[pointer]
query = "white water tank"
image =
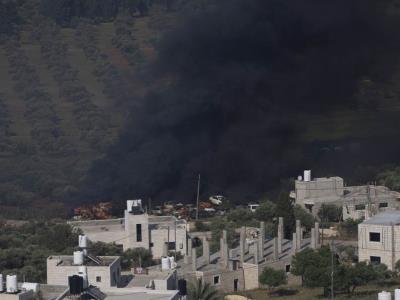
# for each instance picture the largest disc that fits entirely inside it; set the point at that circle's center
(165, 263)
(12, 286)
(129, 204)
(307, 175)
(78, 258)
(1, 283)
(384, 296)
(30, 286)
(172, 262)
(83, 242)
(137, 203)
(299, 178)
(397, 294)
(82, 272)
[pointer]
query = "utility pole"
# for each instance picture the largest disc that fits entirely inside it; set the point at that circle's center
(197, 198)
(332, 272)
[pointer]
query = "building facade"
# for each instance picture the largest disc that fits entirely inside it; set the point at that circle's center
(379, 239)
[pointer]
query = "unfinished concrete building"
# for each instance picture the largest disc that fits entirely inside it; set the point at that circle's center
(312, 193)
(160, 234)
(239, 269)
(378, 238)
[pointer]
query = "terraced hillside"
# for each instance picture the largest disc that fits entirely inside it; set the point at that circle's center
(64, 97)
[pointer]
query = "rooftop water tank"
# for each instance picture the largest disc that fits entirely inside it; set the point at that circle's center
(12, 286)
(172, 262)
(165, 263)
(82, 272)
(307, 175)
(30, 286)
(1, 283)
(300, 178)
(384, 296)
(129, 204)
(397, 294)
(83, 241)
(78, 258)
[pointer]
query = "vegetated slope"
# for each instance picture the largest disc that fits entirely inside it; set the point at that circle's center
(63, 100)
(259, 90)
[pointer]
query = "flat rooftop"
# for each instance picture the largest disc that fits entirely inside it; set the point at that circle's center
(140, 294)
(68, 260)
(390, 217)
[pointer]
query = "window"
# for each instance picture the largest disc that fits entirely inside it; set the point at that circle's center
(138, 232)
(216, 280)
(375, 259)
(151, 245)
(235, 284)
(374, 237)
(171, 246)
(98, 278)
(360, 206)
(383, 204)
(287, 268)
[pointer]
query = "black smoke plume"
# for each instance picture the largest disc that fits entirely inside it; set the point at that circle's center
(239, 73)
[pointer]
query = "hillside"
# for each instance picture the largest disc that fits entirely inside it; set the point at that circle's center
(64, 98)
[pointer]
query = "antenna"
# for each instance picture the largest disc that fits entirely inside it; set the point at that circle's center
(197, 198)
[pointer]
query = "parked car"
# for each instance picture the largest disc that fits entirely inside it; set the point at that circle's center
(216, 200)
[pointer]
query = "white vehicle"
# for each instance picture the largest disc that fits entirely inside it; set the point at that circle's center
(207, 209)
(216, 200)
(253, 207)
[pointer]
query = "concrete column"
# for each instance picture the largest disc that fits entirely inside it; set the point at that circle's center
(206, 250)
(256, 254)
(242, 243)
(280, 235)
(294, 243)
(189, 247)
(194, 259)
(275, 250)
(298, 234)
(316, 226)
(367, 212)
(313, 240)
(165, 248)
(261, 240)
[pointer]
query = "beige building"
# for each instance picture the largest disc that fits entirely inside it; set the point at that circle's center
(105, 272)
(379, 239)
(232, 270)
(160, 234)
(312, 193)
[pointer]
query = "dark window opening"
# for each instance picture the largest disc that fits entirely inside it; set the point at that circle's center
(309, 207)
(98, 278)
(216, 280)
(374, 237)
(235, 284)
(138, 232)
(287, 268)
(360, 206)
(383, 204)
(151, 244)
(171, 246)
(375, 259)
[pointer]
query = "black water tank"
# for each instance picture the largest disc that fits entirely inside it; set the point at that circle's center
(182, 287)
(75, 285)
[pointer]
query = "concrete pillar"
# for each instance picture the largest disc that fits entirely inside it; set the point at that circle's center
(224, 250)
(256, 254)
(194, 259)
(298, 234)
(206, 250)
(280, 235)
(316, 226)
(242, 244)
(261, 240)
(189, 247)
(275, 250)
(367, 212)
(165, 248)
(294, 243)
(313, 240)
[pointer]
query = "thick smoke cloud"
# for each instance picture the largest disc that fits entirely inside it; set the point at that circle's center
(238, 73)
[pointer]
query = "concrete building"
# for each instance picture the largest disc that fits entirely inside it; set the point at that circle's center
(379, 239)
(238, 269)
(104, 273)
(312, 193)
(160, 234)
(21, 295)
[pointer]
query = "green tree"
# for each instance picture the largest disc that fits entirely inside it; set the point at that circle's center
(266, 211)
(241, 217)
(137, 257)
(305, 217)
(198, 290)
(284, 208)
(330, 213)
(390, 178)
(361, 274)
(273, 278)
